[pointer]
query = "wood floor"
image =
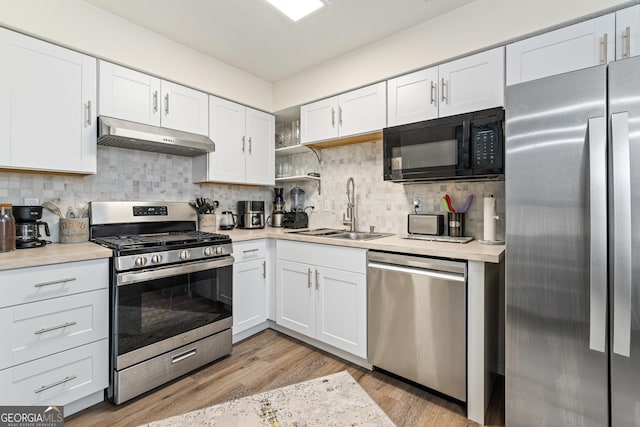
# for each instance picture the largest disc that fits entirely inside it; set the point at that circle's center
(270, 360)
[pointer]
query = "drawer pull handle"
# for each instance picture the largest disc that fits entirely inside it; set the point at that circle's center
(57, 383)
(250, 250)
(53, 328)
(54, 282)
(182, 356)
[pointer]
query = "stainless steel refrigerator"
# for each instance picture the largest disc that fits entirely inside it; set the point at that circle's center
(573, 249)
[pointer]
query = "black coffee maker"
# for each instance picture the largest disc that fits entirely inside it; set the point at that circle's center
(28, 227)
(297, 218)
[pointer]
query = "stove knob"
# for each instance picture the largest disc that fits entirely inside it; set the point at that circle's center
(184, 255)
(208, 251)
(156, 259)
(219, 250)
(141, 261)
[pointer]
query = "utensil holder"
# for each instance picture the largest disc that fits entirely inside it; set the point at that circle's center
(74, 230)
(207, 222)
(456, 224)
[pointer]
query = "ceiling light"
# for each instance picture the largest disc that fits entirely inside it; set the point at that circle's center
(296, 9)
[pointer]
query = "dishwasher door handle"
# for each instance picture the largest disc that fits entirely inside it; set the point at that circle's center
(418, 271)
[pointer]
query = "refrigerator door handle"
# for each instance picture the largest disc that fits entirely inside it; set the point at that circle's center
(598, 233)
(621, 234)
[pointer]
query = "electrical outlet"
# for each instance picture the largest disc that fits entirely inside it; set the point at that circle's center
(328, 205)
(31, 201)
(418, 203)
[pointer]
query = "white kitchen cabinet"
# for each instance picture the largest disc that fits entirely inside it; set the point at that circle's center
(249, 285)
(472, 83)
(475, 82)
(245, 144)
(356, 112)
(341, 303)
(412, 97)
(628, 32)
(295, 296)
(321, 293)
(56, 324)
(47, 106)
(138, 97)
(577, 46)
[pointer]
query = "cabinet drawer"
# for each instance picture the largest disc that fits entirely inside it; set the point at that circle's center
(41, 328)
(26, 285)
(338, 257)
(246, 251)
(58, 379)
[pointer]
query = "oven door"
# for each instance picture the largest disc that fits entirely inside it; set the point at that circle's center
(161, 309)
(433, 149)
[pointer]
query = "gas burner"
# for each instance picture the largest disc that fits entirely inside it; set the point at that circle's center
(161, 239)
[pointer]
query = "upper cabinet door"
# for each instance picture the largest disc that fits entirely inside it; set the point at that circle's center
(128, 94)
(260, 146)
(226, 129)
(184, 108)
(363, 110)
(567, 49)
(628, 32)
(472, 83)
(319, 120)
(412, 97)
(47, 106)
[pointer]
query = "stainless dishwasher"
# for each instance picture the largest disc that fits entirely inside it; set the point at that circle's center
(417, 320)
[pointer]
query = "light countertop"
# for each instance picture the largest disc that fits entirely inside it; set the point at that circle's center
(59, 253)
(54, 253)
(472, 251)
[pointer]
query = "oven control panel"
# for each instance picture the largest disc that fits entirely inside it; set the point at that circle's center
(177, 256)
(150, 211)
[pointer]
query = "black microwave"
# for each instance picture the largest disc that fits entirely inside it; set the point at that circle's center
(464, 146)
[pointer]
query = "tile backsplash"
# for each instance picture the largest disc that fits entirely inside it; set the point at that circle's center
(382, 204)
(138, 175)
(123, 175)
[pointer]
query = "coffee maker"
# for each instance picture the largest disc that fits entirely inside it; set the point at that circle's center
(297, 218)
(278, 207)
(251, 214)
(28, 226)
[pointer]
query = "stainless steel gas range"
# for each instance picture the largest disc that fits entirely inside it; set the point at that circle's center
(171, 293)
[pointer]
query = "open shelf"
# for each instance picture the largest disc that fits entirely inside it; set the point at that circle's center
(293, 149)
(299, 178)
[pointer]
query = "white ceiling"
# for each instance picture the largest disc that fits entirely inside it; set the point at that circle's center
(253, 36)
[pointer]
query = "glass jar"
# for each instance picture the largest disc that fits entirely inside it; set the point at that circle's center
(7, 228)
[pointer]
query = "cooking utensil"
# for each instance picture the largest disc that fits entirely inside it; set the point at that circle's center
(451, 208)
(51, 206)
(466, 204)
(445, 205)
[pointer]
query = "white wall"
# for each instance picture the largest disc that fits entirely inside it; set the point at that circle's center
(84, 27)
(473, 27)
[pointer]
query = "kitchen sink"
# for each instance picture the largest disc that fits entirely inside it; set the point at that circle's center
(318, 232)
(359, 235)
(340, 234)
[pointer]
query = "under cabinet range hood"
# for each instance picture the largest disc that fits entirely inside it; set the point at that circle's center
(137, 136)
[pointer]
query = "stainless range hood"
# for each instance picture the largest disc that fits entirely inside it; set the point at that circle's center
(137, 136)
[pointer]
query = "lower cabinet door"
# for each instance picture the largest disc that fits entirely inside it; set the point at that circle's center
(249, 294)
(296, 297)
(341, 313)
(45, 327)
(58, 379)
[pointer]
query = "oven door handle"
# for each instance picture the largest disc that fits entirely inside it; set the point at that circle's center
(130, 278)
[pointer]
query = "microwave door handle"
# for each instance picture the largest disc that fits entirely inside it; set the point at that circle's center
(466, 150)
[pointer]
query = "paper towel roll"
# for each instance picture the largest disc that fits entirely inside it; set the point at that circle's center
(490, 219)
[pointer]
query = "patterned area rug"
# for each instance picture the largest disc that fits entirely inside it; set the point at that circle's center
(334, 400)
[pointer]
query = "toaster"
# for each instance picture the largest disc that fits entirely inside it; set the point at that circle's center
(425, 224)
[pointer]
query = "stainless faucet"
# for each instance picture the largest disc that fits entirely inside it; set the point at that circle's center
(350, 218)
